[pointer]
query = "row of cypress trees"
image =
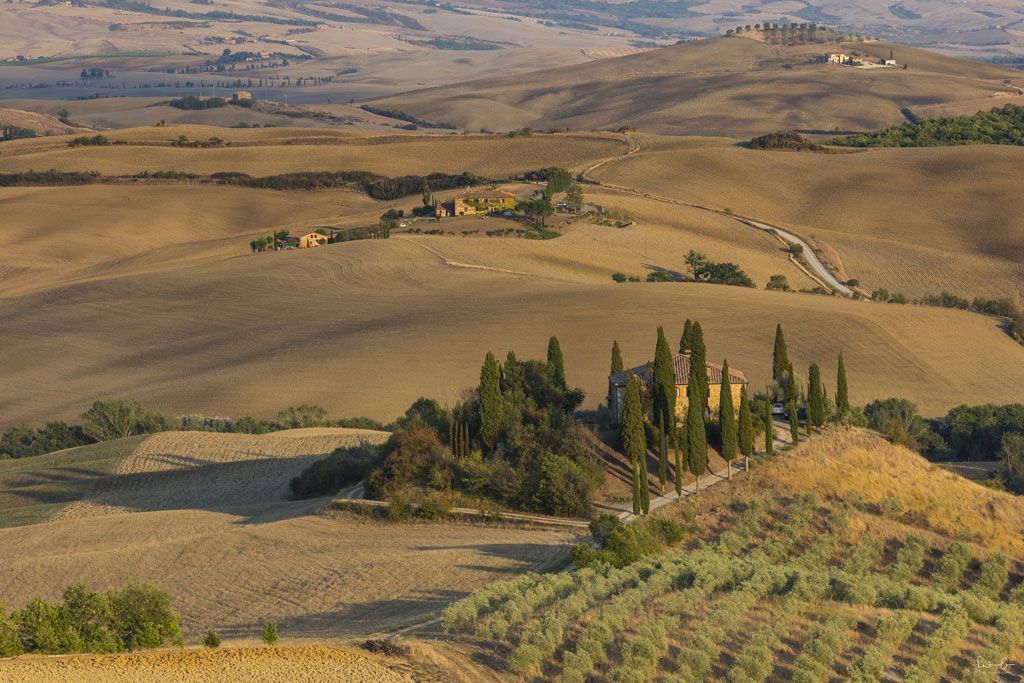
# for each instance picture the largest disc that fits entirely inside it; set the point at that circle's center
(689, 438)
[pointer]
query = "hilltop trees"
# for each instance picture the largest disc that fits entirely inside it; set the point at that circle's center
(634, 442)
(780, 357)
(491, 408)
(727, 420)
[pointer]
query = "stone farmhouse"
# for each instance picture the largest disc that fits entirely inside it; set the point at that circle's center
(681, 367)
(474, 203)
(305, 240)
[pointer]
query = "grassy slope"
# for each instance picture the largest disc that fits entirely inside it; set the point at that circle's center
(728, 86)
(912, 220)
(34, 489)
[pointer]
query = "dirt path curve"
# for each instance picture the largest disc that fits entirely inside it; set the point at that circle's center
(816, 269)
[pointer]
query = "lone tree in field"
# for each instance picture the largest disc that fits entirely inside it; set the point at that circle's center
(270, 633)
(746, 429)
(664, 399)
(686, 341)
(556, 362)
(842, 390)
(616, 358)
(727, 420)
(769, 430)
(492, 408)
(698, 379)
(634, 443)
(780, 358)
(794, 423)
(696, 436)
(815, 397)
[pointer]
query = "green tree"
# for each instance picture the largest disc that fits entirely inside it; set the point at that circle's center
(746, 429)
(270, 633)
(815, 397)
(680, 432)
(556, 362)
(574, 197)
(698, 378)
(662, 458)
(727, 420)
(211, 640)
(428, 196)
(686, 341)
(792, 390)
(616, 358)
(794, 423)
(664, 398)
(696, 436)
(769, 430)
(114, 419)
(492, 409)
(780, 357)
(842, 390)
(634, 442)
(10, 641)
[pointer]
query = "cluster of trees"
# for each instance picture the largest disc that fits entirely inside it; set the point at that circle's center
(618, 544)
(373, 184)
(119, 418)
(785, 140)
(1000, 126)
(191, 102)
(403, 116)
(343, 467)
(52, 177)
(89, 141)
(16, 133)
(137, 617)
(705, 270)
(512, 441)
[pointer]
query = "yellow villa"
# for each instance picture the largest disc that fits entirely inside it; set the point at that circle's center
(473, 203)
(681, 367)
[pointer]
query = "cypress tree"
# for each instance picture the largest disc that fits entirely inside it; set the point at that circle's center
(645, 486)
(465, 438)
(699, 370)
(686, 341)
(727, 420)
(842, 390)
(794, 423)
(769, 430)
(663, 395)
(556, 362)
(492, 408)
(662, 457)
(633, 439)
(746, 429)
(696, 436)
(679, 462)
(791, 389)
(780, 358)
(616, 358)
(815, 397)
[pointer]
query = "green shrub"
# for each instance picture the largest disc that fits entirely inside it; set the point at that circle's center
(343, 467)
(400, 508)
(270, 633)
(909, 559)
(950, 569)
(211, 640)
(993, 578)
(10, 640)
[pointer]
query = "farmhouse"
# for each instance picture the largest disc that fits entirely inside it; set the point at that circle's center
(473, 203)
(681, 367)
(837, 58)
(241, 96)
(306, 240)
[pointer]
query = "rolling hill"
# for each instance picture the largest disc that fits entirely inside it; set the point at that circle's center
(722, 86)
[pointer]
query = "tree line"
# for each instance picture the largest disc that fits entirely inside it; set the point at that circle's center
(999, 126)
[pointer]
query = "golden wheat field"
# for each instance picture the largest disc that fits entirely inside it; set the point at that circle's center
(916, 221)
(721, 86)
(305, 663)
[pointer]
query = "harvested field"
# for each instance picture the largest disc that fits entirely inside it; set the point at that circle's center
(204, 470)
(310, 663)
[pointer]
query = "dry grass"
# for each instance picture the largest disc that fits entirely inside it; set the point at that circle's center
(203, 470)
(292, 663)
(40, 123)
(911, 220)
(859, 465)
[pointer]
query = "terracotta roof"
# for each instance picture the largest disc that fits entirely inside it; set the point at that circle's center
(681, 366)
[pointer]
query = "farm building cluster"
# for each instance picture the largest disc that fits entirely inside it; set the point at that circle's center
(857, 60)
(474, 203)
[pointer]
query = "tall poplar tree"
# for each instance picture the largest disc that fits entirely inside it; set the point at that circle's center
(686, 341)
(663, 396)
(679, 460)
(696, 436)
(794, 423)
(616, 358)
(815, 397)
(780, 357)
(662, 458)
(769, 430)
(842, 390)
(634, 443)
(698, 378)
(727, 420)
(556, 362)
(492, 408)
(792, 391)
(746, 429)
